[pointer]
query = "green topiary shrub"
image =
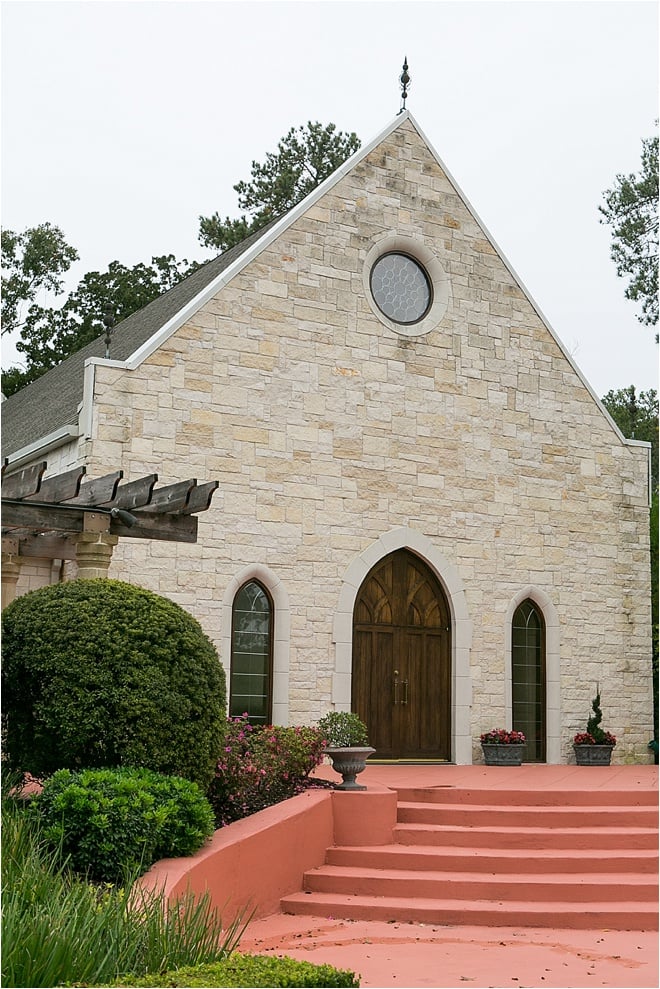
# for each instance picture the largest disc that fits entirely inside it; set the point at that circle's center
(250, 970)
(102, 673)
(109, 823)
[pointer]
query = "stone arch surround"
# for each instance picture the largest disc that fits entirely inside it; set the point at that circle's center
(447, 574)
(552, 666)
(281, 632)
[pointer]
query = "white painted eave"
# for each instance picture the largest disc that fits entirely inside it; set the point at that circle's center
(42, 446)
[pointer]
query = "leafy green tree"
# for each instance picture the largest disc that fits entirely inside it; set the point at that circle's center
(50, 335)
(631, 209)
(636, 415)
(304, 158)
(32, 260)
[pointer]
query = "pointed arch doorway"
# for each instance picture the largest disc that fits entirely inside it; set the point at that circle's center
(401, 671)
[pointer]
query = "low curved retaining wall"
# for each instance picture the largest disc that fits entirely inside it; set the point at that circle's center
(253, 863)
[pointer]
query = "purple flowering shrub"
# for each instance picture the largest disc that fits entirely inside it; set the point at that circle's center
(261, 765)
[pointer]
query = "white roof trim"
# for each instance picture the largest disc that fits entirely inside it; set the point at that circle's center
(261, 244)
(502, 256)
(189, 310)
(26, 454)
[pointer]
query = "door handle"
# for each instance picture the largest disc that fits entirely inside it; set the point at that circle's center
(396, 686)
(404, 684)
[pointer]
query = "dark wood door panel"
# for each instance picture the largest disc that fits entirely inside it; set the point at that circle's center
(402, 660)
(372, 691)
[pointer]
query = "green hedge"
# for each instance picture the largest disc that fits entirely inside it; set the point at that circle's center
(108, 823)
(102, 673)
(249, 970)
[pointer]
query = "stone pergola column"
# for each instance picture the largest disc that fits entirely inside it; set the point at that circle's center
(94, 546)
(11, 568)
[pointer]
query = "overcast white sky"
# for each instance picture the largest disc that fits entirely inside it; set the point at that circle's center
(122, 122)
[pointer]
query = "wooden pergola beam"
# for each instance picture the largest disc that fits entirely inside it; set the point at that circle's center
(42, 518)
(98, 491)
(59, 487)
(25, 482)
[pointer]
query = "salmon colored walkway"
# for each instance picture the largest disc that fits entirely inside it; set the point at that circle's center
(409, 955)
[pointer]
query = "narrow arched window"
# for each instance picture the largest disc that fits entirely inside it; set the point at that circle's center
(251, 677)
(528, 678)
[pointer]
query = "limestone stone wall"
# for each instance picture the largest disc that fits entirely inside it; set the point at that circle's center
(327, 430)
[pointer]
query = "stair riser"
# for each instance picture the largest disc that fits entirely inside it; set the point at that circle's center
(451, 861)
(551, 840)
(580, 799)
(498, 890)
(586, 919)
(526, 817)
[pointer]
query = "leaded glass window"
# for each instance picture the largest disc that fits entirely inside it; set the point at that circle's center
(401, 288)
(528, 678)
(251, 654)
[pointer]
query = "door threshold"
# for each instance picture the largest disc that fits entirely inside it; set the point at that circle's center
(408, 762)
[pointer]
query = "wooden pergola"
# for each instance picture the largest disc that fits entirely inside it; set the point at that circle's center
(71, 517)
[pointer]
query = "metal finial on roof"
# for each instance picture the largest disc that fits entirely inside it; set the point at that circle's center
(404, 80)
(108, 322)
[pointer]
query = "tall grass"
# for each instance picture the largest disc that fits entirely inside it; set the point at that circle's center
(57, 928)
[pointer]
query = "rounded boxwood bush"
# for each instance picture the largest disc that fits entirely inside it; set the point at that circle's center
(102, 673)
(111, 823)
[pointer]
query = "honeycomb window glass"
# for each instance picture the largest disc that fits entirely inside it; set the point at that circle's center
(401, 288)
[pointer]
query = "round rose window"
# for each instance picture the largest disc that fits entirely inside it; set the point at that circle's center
(401, 288)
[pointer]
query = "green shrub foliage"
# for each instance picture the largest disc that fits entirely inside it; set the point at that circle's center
(251, 970)
(108, 823)
(102, 673)
(59, 929)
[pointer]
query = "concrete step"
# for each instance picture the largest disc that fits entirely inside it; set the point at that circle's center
(538, 798)
(530, 887)
(604, 838)
(623, 915)
(521, 816)
(494, 861)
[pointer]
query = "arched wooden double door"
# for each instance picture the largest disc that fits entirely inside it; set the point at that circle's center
(401, 685)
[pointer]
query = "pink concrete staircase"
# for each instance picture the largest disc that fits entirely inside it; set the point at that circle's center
(580, 859)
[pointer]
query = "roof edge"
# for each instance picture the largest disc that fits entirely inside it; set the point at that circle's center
(502, 256)
(158, 338)
(44, 444)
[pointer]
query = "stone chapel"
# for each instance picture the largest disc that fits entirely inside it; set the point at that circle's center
(424, 513)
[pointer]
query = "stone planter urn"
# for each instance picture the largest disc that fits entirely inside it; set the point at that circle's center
(348, 762)
(593, 755)
(503, 755)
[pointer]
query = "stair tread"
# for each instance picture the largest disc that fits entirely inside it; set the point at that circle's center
(447, 850)
(491, 805)
(526, 829)
(633, 906)
(443, 875)
(601, 815)
(582, 799)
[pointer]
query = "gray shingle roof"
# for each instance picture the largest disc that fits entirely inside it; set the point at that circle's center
(52, 401)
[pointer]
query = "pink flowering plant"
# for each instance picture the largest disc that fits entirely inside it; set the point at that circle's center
(261, 765)
(585, 738)
(501, 736)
